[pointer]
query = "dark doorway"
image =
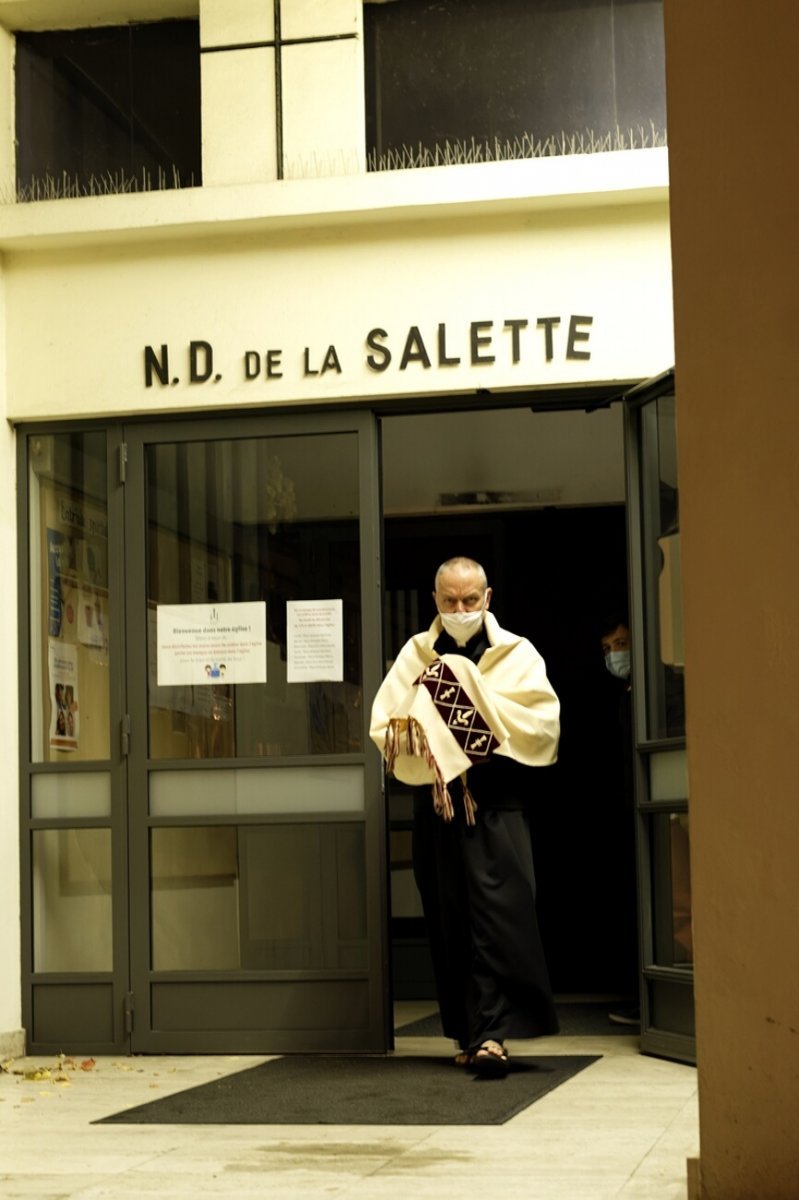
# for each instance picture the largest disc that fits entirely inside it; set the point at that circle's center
(554, 571)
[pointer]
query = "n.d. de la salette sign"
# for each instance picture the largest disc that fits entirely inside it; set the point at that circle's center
(514, 342)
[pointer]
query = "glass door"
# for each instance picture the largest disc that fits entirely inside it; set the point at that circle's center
(73, 774)
(256, 820)
(662, 822)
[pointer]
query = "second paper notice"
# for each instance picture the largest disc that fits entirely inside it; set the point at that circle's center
(315, 643)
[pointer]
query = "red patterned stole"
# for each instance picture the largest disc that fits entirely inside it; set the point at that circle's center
(464, 723)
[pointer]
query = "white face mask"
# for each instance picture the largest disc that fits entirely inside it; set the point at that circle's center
(618, 663)
(462, 625)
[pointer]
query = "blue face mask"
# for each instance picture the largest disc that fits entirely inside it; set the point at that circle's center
(618, 663)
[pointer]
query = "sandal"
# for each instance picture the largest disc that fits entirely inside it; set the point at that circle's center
(490, 1060)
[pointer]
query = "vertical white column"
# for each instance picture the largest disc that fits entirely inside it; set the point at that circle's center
(239, 112)
(322, 88)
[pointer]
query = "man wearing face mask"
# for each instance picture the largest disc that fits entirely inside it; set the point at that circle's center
(615, 644)
(466, 712)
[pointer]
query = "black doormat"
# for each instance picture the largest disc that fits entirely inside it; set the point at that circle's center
(335, 1090)
(579, 1019)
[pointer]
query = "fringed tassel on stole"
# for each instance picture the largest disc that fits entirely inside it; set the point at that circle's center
(469, 802)
(393, 741)
(418, 746)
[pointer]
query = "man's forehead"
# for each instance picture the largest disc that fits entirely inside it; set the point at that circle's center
(460, 578)
(621, 631)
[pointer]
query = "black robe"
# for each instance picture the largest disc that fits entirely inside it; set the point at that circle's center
(477, 885)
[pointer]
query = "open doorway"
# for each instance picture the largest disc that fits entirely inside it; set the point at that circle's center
(538, 498)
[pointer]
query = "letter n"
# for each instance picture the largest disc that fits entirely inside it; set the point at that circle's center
(153, 365)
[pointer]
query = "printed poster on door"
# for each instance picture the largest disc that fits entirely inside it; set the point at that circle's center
(211, 643)
(64, 714)
(315, 641)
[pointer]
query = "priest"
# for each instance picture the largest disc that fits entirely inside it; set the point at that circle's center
(465, 714)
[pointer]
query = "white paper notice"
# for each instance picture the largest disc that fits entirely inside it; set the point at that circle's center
(211, 643)
(315, 642)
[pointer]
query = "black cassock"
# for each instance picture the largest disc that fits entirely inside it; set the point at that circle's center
(477, 885)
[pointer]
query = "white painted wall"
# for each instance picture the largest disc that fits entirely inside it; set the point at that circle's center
(312, 89)
(84, 316)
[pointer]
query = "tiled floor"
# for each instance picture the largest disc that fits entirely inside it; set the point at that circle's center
(623, 1127)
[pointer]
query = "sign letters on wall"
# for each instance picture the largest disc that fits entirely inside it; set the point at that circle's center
(480, 343)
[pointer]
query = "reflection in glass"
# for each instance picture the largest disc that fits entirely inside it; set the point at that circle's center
(683, 941)
(69, 597)
(195, 896)
(72, 926)
(259, 897)
(671, 882)
(663, 584)
(272, 520)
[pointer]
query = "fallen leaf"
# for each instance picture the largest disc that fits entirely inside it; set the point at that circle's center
(88, 1064)
(38, 1074)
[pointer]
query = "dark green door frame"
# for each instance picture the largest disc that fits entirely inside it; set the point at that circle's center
(112, 1011)
(661, 801)
(66, 1010)
(256, 995)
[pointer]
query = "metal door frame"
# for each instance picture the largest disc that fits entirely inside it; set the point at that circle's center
(100, 993)
(224, 427)
(122, 1010)
(662, 987)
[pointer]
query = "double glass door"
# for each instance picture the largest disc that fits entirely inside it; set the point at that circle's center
(207, 867)
(205, 852)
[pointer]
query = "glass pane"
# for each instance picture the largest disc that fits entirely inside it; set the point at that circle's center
(84, 794)
(195, 898)
(471, 81)
(111, 109)
(405, 898)
(69, 597)
(663, 583)
(257, 521)
(72, 928)
(266, 790)
(671, 883)
(275, 897)
(668, 775)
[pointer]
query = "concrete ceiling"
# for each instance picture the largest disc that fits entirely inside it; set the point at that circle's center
(75, 14)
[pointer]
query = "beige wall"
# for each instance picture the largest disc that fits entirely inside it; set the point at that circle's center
(298, 294)
(732, 112)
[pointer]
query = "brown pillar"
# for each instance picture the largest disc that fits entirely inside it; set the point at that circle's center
(733, 114)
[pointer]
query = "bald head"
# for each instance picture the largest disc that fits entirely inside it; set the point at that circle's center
(461, 585)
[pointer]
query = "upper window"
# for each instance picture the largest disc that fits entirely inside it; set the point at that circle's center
(108, 109)
(454, 81)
